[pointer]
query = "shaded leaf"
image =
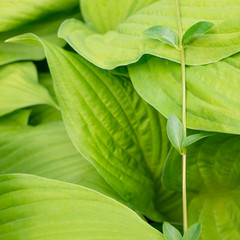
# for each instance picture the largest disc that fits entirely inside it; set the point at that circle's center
(19, 88)
(170, 232)
(37, 208)
(213, 174)
(197, 29)
(162, 33)
(47, 151)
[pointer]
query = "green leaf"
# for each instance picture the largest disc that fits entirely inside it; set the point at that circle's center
(175, 132)
(18, 13)
(213, 100)
(197, 29)
(26, 17)
(213, 172)
(170, 232)
(195, 137)
(47, 151)
(162, 33)
(37, 208)
(193, 232)
(96, 103)
(109, 45)
(19, 88)
(14, 120)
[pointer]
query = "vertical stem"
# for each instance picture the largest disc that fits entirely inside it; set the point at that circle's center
(181, 48)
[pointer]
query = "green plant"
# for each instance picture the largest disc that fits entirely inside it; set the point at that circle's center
(85, 136)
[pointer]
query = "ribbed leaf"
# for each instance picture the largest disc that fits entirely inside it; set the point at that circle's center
(19, 88)
(17, 13)
(46, 28)
(37, 208)
(123, 42)
(213, 172)
(118, 132)
(48, 152)
(213, 99)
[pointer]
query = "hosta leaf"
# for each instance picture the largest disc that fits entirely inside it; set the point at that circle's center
(19, 88)
(213, 174)
(195, 137)
(118, 132)
(17, 13)
(15, 120)
(124, 42)
(37, 208)
(193, 232)
(213, 99)
(46, 28)
(47, 151)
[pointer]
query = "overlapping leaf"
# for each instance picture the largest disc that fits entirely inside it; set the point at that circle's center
(37, 208)
(19, 88)
(47, 151)
(213, 99)
(123, 42)
(123, 136)
(213, 172)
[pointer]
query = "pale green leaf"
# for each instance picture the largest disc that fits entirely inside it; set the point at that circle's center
(45, 28)
(193, 232)
(123, 43)
(19, 88)
(18, 13)
(213, 99)
(175, 132)
(94, 104)
(47, 151)
(195, 137)
(213, 172)
(162, 33)
(170, 232)
(14, 120)
(197, 29)
(38, 208)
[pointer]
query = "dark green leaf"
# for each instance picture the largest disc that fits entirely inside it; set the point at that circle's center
(170, 232)
(162, 33)
(196, 137)
(175, 132)
(197, 29)
(193, 233)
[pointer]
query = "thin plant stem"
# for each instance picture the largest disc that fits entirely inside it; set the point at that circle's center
(184, 156)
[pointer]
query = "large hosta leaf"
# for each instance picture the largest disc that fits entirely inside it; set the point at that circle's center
(118, 132)
(213, 173)
(123, 41)
(17, 13)
(19, 88)
(213, 99)
(37, 208)
(46, 28)
(47, 151)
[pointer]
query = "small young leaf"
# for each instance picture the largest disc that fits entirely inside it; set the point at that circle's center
(170, 232)
(175, 132)
(193, 233)
(195, 137)
(162, 33)
(197, 29)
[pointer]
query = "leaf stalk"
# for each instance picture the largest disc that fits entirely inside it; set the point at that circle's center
(184, 155)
